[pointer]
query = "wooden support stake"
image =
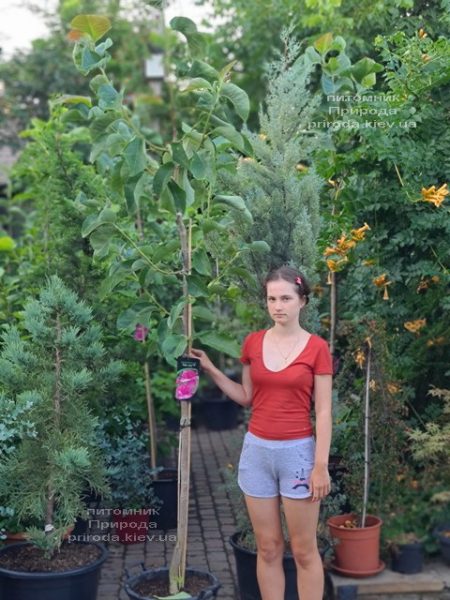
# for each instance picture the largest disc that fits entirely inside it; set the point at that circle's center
(178, 563)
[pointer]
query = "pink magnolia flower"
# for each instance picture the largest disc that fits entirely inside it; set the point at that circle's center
(140, 333)
(186, 384)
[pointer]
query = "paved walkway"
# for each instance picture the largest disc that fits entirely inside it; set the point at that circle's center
(211, 522)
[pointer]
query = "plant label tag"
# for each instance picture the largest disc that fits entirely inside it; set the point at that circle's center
(187, 377)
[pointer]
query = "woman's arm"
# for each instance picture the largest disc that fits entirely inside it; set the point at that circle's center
(320, 479)
(239, 392)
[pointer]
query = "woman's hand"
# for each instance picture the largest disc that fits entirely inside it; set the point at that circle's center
(319, 483)
(205, 362)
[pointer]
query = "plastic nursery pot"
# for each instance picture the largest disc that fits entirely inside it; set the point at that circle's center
(81, 582)
(166, 490)
(246, 572)
(407, 558)
(147, 576)
(357, 550)
(347, 592)
(442, 533)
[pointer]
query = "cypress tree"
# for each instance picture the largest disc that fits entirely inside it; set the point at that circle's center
(52, 369)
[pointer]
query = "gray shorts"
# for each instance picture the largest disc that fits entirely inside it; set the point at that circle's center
(270, 468)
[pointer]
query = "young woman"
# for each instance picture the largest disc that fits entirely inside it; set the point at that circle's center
(286, 372)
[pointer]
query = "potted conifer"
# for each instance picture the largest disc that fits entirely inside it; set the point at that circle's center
(53, 365)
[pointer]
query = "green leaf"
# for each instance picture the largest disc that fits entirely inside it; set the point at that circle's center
(176, 312)
(89, 61)
(73, 99)
(197, 83)
(173, 346)
(363, 67)
(203, 313)
(234, 201)
(109, 98)
(183, 25)
(135, 157)
(323, 43)
(238, 98)
(237, 203)
(259, 246)
(95, 26)
(369, 80)
(197, 287)
(200, 262)
(198, 166)
(166, 201)
(328, 85)
(178, 195)
(202, 69)
(7, 244)
(143, 186)
(140, 312)
(338, 44)
(196, 41)
(179, 155)
(165, 250)
(312, 56)
(220, 342)
(103, 47)
(90, 223)
(187, 187)
(162, 176)
(101, 240)
(110, 283)
(232, 135)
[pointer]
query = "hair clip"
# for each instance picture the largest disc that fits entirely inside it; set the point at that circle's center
(299, 281)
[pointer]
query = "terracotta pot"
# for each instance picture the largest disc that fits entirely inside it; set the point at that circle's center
(130, 527)
(357, 550)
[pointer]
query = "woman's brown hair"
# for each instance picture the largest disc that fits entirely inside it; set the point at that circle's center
(293, 276)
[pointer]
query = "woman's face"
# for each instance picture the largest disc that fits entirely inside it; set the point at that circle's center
(283, 302)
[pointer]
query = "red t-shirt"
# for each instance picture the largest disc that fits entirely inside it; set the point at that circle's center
(281, 401)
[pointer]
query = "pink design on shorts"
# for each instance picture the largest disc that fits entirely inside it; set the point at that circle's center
(186, 384)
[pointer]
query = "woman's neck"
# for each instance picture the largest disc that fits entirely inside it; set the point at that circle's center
(288, 330)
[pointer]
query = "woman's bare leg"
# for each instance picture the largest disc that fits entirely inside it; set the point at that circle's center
(302, 518)
(266, 522)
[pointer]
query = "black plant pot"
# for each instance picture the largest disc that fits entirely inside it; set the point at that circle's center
(220, 413)
(162, 573)
(246, 573)
(444, 541)
(407, 558)
(166, 489)
(75, 584)
(347, 592)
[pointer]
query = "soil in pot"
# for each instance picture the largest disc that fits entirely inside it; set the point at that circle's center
(29, 559)
(193, 585)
